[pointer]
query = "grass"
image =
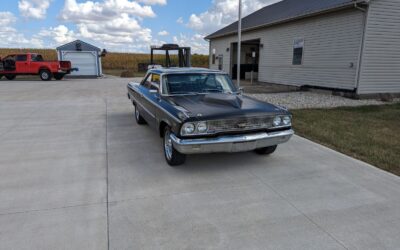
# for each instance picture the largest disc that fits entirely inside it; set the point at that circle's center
(368, 133)
(123, 73)
(118, 64)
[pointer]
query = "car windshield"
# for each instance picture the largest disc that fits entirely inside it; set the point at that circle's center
(183, 84)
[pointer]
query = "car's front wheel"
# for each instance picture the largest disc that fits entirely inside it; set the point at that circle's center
(172, 156)
(139, 119)
(266, 150)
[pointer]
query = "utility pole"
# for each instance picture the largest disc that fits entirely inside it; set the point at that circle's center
(239, 47)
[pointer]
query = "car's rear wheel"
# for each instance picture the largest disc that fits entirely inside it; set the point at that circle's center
(59, 76)
(45, 75)
(172, 156)
(1, 76)
(11, 77)
(139, 119)
(266, 150)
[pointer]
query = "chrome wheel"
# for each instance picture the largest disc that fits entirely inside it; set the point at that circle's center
(137, 115)
(45, 76)
(139, 119)
(168, 145)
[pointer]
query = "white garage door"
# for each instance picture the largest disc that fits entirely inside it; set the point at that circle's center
(85, 62)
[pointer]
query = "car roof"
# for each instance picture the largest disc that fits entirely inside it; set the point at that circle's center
(184, 70)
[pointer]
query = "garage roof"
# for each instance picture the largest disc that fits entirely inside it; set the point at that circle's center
(84, 46)
(282, 11)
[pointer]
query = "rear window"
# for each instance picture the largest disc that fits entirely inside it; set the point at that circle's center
(21, 58)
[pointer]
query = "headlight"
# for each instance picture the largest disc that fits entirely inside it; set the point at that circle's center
(202, 127)
(194, 128)
(286, 120)
(188, 128)
(277, 121)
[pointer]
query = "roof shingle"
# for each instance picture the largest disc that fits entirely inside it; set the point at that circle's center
(281, 11)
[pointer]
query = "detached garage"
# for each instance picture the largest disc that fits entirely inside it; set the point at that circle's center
(83, 56)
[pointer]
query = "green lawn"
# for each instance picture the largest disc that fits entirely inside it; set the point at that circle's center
(123, 73)
(368, 133)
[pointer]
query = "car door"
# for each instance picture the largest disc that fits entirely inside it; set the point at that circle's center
(35, 63)
(22, 64)
(149, 94)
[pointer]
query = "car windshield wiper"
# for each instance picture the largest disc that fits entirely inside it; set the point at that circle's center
(184, 93)
(213, 90)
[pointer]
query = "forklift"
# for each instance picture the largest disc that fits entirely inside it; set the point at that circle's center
(184, 55)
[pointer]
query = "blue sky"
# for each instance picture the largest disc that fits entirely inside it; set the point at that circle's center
(117, 25)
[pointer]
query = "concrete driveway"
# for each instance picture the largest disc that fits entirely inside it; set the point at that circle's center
(76, 172)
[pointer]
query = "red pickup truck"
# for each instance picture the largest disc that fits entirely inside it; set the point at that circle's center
(33, 64)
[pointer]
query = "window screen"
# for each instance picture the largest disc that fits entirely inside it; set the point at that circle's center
(298, 49)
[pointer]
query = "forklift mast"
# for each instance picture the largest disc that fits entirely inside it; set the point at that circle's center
(184, 55)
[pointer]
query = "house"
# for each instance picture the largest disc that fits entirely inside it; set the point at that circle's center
(336, 44)
(84, 57)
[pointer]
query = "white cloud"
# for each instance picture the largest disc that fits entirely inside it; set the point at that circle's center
(11, 38)
(35, 9)
(103, 11)
(153, 2)
(222, 13)
(113, 24)
(60, 34)
(7, 19)
(196, 42)
(163, 33)
(180, 20)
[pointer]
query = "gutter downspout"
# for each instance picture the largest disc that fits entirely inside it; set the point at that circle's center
(360, 56)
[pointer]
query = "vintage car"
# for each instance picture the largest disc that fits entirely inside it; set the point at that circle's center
(199, 111)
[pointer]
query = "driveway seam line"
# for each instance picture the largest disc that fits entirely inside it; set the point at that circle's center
(52, 208)
(107, 195)
(301, 212)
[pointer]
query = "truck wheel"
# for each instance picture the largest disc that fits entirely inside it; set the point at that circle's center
(173, 157)
(11, 77)
(139, 119)
(45, 75)
(58, 77)
(266, 150)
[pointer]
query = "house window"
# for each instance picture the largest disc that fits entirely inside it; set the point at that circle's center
(213, 56)
(298, 49)
(220, 62)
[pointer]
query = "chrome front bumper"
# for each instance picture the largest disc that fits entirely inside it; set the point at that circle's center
(231, 143)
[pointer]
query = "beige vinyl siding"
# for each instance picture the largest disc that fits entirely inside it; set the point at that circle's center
(380, 67)
(332, 44)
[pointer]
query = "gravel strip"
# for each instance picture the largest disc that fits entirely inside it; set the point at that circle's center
(305, 100)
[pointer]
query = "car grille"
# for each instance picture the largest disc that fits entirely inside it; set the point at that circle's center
(240, 124)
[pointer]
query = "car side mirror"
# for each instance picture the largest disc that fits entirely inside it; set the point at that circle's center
(241, 89)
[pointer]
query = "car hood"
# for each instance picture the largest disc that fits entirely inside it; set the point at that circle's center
(219, 105)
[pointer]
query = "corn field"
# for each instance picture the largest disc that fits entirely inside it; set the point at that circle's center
(48, 54)
(122, 61)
